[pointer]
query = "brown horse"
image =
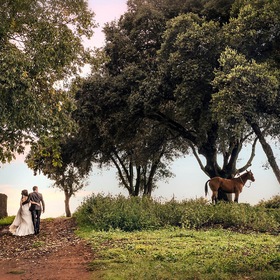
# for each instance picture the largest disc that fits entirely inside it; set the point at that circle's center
(234, 185)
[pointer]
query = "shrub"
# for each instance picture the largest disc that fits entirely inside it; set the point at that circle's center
(230, 215)
(272, 207)
(101, 212)
(170, 213)
(273, 203)
(196, 213)
(108, 212)
(244, 216)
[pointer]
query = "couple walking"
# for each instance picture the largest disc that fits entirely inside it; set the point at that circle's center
(27, 220)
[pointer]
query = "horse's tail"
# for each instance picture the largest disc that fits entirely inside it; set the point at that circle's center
(206, 187)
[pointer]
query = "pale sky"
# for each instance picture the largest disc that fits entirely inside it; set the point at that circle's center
(188, 183)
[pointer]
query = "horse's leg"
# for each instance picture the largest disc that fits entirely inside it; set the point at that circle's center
(236, 196)
(214, 197)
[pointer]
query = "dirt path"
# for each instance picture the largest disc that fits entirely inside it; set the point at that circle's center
(55, 254)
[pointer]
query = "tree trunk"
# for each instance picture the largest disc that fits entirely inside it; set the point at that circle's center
(268, 151)
(213, 170)
(138, 181)
(149, 183)
(67, 206)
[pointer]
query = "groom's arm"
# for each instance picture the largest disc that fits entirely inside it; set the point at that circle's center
(26, 201)
(43, 203)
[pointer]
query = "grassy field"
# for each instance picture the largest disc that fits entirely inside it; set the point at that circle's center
(144, 239)
(184, 254)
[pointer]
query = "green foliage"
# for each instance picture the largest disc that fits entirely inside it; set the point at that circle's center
(230, 215)
(169, 213)
(110, 105)
(184, 70)
(272, 206)
(40, 45)
(7, 220)
(245, 90)
(273, 203)
(168, 245)
(101, 212)
(107, 212)
(254, 29)
(38, 244)
(51, 156)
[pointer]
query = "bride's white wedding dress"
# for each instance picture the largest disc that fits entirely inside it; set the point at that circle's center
(22, 224)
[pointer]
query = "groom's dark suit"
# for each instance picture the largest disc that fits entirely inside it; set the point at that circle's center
(36, 209)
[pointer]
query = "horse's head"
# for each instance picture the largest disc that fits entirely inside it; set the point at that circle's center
(250, 175)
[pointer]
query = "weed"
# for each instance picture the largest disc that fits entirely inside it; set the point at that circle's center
(38, 244)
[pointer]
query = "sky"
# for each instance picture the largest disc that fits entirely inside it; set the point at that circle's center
(187, 184)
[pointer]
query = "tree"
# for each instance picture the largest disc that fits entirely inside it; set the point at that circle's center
(187, 59)
(254, 30)
(255, 33)
(257, 38)
(69, 181)
(185, 68)
(110, 135)
(248, 95)
(131, 47)
(218, 10)
(131, 90)
(163, 63)
(40, 45)
(175, 89)
(52, 158)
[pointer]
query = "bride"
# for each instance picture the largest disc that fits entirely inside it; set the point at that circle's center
(22, 224)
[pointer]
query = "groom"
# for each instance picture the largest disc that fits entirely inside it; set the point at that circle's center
(36, 208)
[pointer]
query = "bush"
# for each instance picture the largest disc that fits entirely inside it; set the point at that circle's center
(108, 212)
(272, 207)
(273, 203)
(230, 215)
(101, 212)
(196, 213)
(170, 213)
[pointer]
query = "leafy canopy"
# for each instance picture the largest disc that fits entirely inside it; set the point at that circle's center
(40, 45)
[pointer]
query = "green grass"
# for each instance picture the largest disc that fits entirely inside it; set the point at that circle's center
(38, 244)
(7, 220)
(184, 254)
